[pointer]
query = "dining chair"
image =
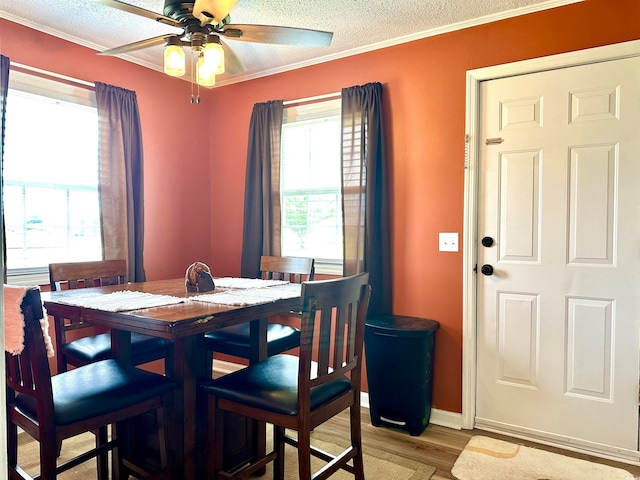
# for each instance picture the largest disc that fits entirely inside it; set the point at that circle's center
(85, 399)
(235, 340)
(300, 393)
(91, 348)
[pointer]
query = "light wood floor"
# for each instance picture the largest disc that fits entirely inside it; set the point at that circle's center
(437, 446)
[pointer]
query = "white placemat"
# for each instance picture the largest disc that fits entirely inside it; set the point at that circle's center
(121, 301)
(250, 296)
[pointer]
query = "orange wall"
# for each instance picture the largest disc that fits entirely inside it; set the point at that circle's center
(424, 85)
(195, 155)
(176, 144)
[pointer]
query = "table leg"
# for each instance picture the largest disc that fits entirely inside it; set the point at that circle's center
(258, 341)
(188, 365)
(121, 345)
(121, 349)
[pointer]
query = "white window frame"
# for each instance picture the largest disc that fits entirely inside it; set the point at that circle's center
(59, 90)
(303, 112)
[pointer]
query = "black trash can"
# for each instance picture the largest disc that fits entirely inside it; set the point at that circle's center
(399, 359)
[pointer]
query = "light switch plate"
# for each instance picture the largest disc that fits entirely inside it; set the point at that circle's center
(448, 242)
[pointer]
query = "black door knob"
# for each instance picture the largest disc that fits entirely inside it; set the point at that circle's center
(487, 270)
(487, 241)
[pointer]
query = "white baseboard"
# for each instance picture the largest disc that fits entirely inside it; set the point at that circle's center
(446, 419)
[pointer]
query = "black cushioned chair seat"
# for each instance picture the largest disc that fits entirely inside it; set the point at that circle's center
(98, 347)
(98, 388)
(272, 385)
(235, 340)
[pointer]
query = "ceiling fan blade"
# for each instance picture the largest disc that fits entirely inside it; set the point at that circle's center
(232, 64)
(278, 35)
(125, 7)
(149, 42)
(214, 10)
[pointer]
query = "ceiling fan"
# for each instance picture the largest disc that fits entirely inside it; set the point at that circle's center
(203, 23)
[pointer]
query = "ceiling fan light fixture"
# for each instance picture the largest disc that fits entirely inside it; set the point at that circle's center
(203, 24)
(214, 54)
(205, 73)
(174, 57)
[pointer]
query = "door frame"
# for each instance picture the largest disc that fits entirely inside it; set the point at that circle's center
(472, 151)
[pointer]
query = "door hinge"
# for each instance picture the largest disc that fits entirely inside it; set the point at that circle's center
(467, 140)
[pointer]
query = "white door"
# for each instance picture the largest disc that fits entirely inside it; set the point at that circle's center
(559, 195)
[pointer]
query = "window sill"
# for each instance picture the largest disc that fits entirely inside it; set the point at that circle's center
(28, 278)
(325, 268)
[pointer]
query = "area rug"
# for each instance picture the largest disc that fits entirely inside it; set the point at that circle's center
(378, 465)
(487, 458)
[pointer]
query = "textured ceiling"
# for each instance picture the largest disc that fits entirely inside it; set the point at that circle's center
(358, 25)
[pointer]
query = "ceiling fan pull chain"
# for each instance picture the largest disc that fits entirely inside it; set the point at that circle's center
(193, 99)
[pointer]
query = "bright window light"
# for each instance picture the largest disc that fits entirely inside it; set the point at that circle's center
(50, 175)
(310, 184)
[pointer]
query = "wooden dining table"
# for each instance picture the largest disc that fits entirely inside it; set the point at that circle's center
(185, 323)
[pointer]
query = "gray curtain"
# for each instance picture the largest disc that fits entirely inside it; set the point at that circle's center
(365, 194)
(4, 89)
(261, 226)
(121, 177)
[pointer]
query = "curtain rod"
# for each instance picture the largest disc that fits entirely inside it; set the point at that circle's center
(311, 99)
(46, 73)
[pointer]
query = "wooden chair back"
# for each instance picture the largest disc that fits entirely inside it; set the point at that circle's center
(293, 269)
(73, 275)
(28, 373)
(332, 334)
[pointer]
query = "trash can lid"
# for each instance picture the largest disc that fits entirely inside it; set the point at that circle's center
(403, 323)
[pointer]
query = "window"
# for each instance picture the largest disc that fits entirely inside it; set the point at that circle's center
(50, 193)
(310, 184)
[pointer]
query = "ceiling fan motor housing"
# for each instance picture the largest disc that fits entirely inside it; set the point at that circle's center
(178, 10)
